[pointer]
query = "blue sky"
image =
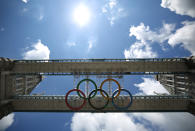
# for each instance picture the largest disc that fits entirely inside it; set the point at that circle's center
(39, 29)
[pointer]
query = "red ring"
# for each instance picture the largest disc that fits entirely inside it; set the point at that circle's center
(77, 108)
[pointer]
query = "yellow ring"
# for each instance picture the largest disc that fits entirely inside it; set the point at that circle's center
(119, 87)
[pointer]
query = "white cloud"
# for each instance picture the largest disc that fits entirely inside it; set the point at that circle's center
(40, 13)
(143, 33)
(113, 11)
(6, 121)
(70, 44)
(91, 44)
(38, 51)
(112, 19)
(149, 86)
(167, 121)
(182, 7)
(145, 37)
(129, 121)
(104, 10)
(185, 35)
(112, 3)
(139, 50)
(41, 16)
(104, 122)
(25, 1)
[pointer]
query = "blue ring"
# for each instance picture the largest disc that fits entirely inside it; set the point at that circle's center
(122, 108)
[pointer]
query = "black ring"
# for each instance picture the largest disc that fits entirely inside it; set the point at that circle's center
(98, 108)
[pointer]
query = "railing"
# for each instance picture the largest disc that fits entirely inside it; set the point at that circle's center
(104, 60)
(102, 73)
(59, 97)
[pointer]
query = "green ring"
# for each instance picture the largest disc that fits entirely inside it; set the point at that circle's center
(83, 81)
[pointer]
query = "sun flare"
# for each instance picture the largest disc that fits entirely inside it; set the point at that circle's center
(81, 15)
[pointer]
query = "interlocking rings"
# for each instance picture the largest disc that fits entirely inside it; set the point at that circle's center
(93, 93)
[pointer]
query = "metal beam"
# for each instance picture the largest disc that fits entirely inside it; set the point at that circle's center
(140, 104)
(101, 66)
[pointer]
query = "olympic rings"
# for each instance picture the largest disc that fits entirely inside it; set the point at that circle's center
(98, 108)
(83, 81)
(92, 94)
(122, 108)
(76, 108)
(119, 87)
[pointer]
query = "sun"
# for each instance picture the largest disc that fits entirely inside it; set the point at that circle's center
(81, 15)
